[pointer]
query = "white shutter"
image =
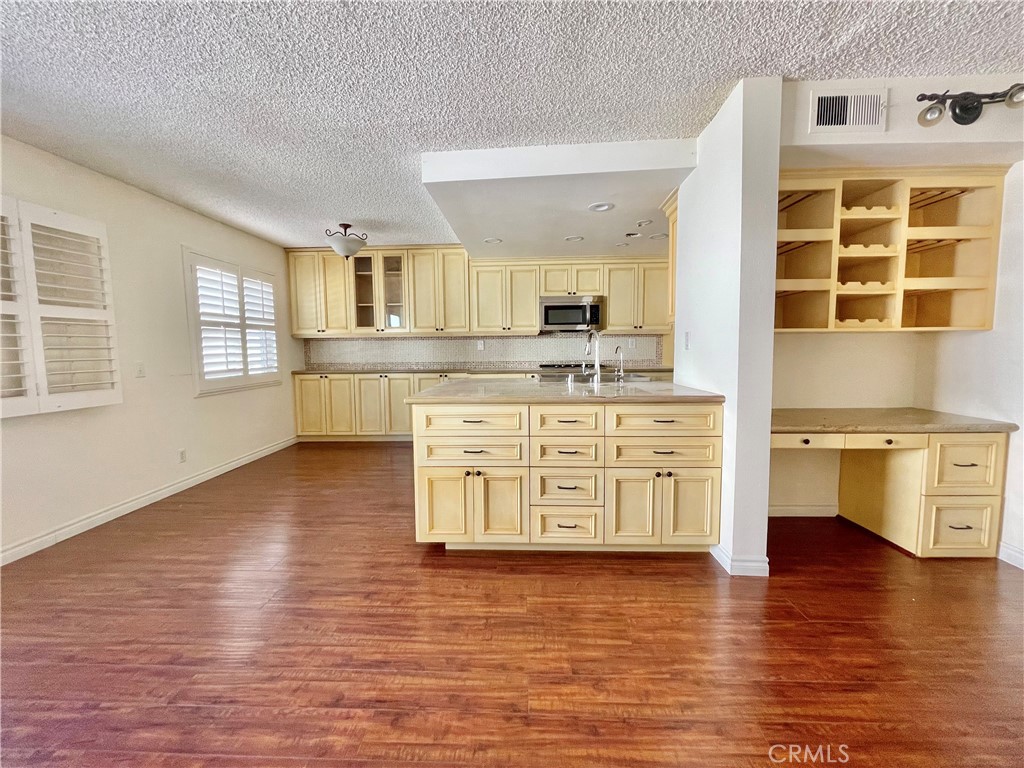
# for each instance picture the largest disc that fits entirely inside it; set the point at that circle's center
(260, 327)
(67, 271)
(18, 395)
(220, 322)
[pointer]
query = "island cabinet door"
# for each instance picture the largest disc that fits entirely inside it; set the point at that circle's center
(501, 504)
(633, 507)
(444, 504)
(690, 506)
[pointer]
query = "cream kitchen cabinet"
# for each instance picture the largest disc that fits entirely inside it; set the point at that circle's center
(572, 279)
(324, 404)
(380, 292)
(504, 299)
(671, 209)
(637, 297)
(351, 405)
(380, 403)
(319, 287)
(439, 290)
(483, 504)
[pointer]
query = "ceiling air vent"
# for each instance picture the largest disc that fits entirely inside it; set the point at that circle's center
(847, 111)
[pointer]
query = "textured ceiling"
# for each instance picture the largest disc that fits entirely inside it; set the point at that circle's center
(284, 118)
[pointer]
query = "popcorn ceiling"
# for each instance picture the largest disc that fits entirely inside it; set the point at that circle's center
(282, 118)
(507, 353)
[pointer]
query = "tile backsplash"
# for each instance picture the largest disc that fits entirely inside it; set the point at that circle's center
(499, 352)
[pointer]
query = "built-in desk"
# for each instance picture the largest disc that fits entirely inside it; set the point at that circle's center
(930, 482)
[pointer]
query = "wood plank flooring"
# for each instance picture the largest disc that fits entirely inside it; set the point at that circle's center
(282, 615)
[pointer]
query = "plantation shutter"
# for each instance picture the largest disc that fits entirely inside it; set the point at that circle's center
(220, 322)
(67, 276)
(17, 375)
(260, 329)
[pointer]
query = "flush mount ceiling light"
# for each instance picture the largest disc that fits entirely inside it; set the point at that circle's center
(644, 222)
(632, 234)
(573, 238)
(659, 236)
(345, 243)
(493, 240)
(965, 108)
(600, 207)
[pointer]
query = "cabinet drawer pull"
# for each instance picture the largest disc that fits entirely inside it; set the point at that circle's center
(568, 453)
(806, 441)
(889, 441)
(568, 421)
(472, 421)
(972, 464)
(962, 527)
(664, 421)
(664, 453)
(478, 450)
(567, 526)
(567, 487)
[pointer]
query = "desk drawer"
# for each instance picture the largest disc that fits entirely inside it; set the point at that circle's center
(454, 420)
(562, 485)
(567, 451)
(663, 419)
(472, 451)
(884, 442)
(664, 451)
(567, 420)
(966, 464)
(562, 525)
(959, 526)
(808, 441)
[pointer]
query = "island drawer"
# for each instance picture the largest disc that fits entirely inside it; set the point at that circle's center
(567, 451)
(566, 485)
(567, 419)
(662, 419)
(886, 442)
(809, 440)
(473, 451)
(966, 464)
(959, 526)
(454, 420)
(559, 525)
(663, 451)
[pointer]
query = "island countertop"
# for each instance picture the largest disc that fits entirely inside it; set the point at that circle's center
(526, 391)
(875, 420)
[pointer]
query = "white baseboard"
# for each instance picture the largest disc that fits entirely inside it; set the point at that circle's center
(23, 548)
(1012, 554)
(736, 566)
(803, 510)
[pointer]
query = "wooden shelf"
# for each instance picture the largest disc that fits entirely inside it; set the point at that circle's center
(876, 212)
(805, 236)
(921, 284)
(786, 287)
(859, 251)
(806, 208)
(865, 288)
(863, 325)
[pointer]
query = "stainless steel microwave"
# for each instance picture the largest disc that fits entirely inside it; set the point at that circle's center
(571, 313)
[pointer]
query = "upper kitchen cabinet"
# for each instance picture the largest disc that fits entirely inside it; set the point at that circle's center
(504, 298)
(671, 209)
(439, 290)
(562, 279)
(884, 250)
(638, 297)
(379, 292)
(319, 293)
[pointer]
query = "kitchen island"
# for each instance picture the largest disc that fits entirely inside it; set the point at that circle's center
(525, 464)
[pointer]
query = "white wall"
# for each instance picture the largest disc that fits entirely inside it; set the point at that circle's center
(66, 472)
(982, 374)
(725, 301)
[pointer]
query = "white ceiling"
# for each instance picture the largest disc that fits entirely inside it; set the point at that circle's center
(285, 118)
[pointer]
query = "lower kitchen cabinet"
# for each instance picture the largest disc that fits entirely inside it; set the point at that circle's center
(351, 405)
(444, 504)
(370, 411)
(483, 504)
(633, 511)
(663, 506)
(324, 404)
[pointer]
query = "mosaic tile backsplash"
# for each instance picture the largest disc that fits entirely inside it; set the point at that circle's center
(500, 353)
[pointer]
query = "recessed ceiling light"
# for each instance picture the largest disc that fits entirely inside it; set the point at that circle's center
(492, 240)
(632, 234)
(644, 222)
(573, 238)
(622, 245)
(659, 236)
(600, 207)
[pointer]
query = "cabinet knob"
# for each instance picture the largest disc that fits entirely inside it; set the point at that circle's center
(657, 474)
(468, 473)
(806, 441)
(478, 473)
(889, 441)
(668, 474)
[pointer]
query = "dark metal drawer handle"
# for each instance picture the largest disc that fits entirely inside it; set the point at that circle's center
(568, 421)
(568, 453)
(962, 527)
(664, 421)
(567, 526)
(472, 421)
(972, 464)
(567, 487)
(466, 450)
(664, 453)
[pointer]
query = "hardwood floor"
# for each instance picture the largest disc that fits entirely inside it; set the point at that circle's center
(282, 615)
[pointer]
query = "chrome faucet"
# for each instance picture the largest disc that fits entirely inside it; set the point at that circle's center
(594, 336)
(620, 374)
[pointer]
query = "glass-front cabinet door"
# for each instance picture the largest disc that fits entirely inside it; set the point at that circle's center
(379, 292)
(393, 314)
(364, 303)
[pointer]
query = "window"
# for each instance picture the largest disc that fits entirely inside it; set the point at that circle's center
(58, 348)
(233, 325)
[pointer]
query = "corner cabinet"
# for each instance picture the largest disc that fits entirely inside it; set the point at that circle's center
(886, 250)
(504, 298)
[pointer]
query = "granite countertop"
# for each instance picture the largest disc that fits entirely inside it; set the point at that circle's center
(526, 391)
(474, 371)
(870, 420)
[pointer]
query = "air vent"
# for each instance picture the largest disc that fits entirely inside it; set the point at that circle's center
(848, 111)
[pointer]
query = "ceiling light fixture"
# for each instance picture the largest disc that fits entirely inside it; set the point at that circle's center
(644, 222)
(632, 234)
(493, 240)
(600, 207)
(345, 243)
(965, 108)
(573, 238)
(659, 236)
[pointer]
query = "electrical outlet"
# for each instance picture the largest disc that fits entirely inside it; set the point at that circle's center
(140, 370)
(479, 345)
(182, 456)
(631, 343)
(686, 340)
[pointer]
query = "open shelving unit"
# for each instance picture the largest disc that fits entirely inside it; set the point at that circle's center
(887, 250)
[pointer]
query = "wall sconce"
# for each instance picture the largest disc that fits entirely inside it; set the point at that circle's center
(966, 107)
(345, 243)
